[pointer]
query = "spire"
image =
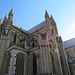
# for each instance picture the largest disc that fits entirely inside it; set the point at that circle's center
(52, 20)
(11, 12)
(10, 17)
(46, 14)
(47, 18)
(51, 17)
(5, 20)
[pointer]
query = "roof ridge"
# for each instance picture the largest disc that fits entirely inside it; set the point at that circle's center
(69, 39)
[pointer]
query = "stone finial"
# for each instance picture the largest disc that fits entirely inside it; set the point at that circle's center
(11, 12)
(10, 18)
(60, 39)
(46, 14)
(1, 21)
(5, 20)
(51, 17)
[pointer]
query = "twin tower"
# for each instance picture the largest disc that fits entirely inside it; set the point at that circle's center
(10, 18)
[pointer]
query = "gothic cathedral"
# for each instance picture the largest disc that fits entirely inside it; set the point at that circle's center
(38, 51)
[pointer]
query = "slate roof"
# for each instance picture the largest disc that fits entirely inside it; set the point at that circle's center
(20, 28)
(37, 27)
(69, 43)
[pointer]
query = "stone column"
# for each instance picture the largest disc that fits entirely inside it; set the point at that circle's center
(12, 63)
(4, 43)
(38, 63)
(48, 54)
(41, 57)
(57, 60)
(64, 60)
(25, 65)
(48, 61)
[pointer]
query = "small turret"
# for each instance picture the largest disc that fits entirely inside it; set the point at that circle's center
(10, 17)
(52, 17)
(47, 18)
(0, 21)
(52, 20)
(53, 23)
(5, 20)
(11, 12)
(60, 40)
(46, 14)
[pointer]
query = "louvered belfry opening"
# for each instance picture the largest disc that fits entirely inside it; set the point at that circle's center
(34, 65)
(19, 64)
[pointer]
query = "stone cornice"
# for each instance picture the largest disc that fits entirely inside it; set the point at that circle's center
(16, 47)
(35, 48)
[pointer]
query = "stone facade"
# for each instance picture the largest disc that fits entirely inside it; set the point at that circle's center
(69, 46)
(38, 51)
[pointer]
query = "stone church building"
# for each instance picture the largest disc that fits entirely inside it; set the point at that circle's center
(38, 51)
(69, 46)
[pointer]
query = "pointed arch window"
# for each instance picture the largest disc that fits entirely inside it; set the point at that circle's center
(19, 64)
(34, 65)
(14, 41)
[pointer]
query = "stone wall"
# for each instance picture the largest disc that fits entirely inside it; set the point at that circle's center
(70, 53)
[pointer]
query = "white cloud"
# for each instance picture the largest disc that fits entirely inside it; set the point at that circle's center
(69, 31)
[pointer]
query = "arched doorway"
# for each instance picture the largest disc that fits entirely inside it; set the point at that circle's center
(34, 65)
(19, 64)
(52, 62)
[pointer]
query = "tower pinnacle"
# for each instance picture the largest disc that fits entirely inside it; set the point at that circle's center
(11, 12)
(5, 19)
(46, 14)
(10, 18)
(1, 20)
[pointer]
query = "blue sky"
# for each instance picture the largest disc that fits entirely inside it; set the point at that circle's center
(28, 13)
